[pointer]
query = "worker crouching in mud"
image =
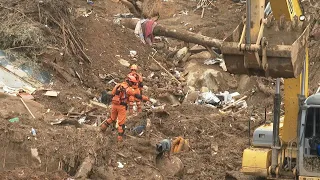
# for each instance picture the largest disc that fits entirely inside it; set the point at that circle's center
(167, 147)
(119, 104)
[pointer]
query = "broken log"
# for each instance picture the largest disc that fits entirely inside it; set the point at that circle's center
(99, 104)
(27, 108)
(186, 57)
(61, 72)
(263, 88)
(166, 70)
(234, 103)
(186, 36)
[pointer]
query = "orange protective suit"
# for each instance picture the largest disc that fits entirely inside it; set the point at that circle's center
(121, 93)
(138, 89)
(133, 99)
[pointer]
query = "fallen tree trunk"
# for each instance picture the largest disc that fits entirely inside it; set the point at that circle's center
(263, 88)
(85, 168)
(186, 36)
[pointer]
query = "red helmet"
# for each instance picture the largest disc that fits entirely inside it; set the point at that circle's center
(132, 78)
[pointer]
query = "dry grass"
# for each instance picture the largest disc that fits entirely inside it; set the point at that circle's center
(30, 27)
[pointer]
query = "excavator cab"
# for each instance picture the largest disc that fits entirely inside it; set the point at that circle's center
(309, 134)
(271, 47)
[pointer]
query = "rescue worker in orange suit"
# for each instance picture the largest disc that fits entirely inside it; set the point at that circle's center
(121, 93)
(138, 88)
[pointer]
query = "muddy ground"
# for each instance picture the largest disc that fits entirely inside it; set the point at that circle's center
(216, 140)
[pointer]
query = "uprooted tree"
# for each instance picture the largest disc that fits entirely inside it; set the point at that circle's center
(34, 27)
(172, 33)
(145, 9)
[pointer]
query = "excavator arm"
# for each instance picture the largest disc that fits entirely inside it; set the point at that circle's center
(268, 46)
(273, 46)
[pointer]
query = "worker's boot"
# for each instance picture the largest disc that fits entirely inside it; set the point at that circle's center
(121, 130)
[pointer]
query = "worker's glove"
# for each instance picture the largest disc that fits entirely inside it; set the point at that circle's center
(117, 92)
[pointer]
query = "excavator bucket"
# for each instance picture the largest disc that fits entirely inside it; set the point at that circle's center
(284, 51)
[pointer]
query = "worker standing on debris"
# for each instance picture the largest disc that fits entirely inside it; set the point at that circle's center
(121, 93)
(168, 146)
(138, 89)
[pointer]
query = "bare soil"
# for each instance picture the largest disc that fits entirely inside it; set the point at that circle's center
(217, 140)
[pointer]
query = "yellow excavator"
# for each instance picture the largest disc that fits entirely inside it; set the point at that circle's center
(276, 45)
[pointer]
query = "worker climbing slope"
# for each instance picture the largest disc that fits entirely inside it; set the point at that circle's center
(137, 88)
(121, 93)
(134, 72)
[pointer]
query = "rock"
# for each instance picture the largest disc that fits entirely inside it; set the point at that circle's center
(181, 79)
(191, 88)
(169, 98)
(204, 89)
(182, 52)
(190, 171)
(154, 67)
(191, 97)
(210, 81)
(243, 127)
(35, 154)
(312, 43)
(188, 89)
(201, 55)
(103, 173)
(124, 62)
(230, 166)
(159, 45)
(145, 88)
(167, 167)
(71, 71)
(315, 33)
(227, 135)
(139, 4)
(106, 173)
(243, 83)
(197, 47)
(215, 147)
(198, 79)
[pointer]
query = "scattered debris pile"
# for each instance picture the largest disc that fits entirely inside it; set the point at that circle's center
(59, 138)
